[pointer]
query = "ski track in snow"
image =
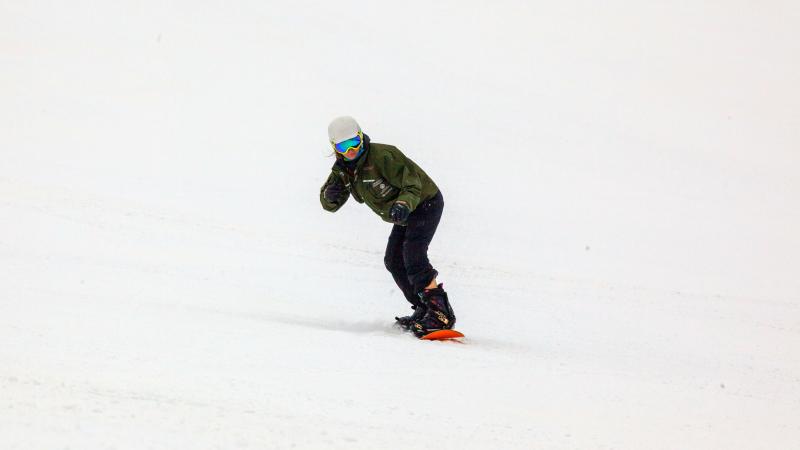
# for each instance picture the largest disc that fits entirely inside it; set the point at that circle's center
(619, 239)
(188, 352)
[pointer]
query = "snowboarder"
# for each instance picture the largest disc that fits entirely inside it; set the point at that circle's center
(400, 192)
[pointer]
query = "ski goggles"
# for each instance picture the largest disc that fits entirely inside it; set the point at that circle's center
(345, 146)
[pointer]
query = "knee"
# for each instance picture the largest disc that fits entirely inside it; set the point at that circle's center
(393, 261)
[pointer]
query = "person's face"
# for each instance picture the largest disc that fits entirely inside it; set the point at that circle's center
(349, 149)
(352, 153)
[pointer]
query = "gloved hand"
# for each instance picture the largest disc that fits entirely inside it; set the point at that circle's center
(333, 192)
(399, 213)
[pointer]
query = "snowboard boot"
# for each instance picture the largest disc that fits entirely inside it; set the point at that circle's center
(406, 321)
(439, 314)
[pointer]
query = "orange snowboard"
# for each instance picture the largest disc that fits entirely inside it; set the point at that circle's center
(441, 335)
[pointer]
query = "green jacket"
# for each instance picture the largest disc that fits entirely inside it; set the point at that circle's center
(382, 176)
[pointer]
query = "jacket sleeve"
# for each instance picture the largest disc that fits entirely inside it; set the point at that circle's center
(333, 178)
(400, 173)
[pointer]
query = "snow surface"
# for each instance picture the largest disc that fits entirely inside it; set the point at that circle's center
(620, 236)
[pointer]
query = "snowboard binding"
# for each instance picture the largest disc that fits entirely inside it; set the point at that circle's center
(406, 322)
(438, 313)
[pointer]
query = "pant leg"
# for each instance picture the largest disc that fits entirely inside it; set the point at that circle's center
(393, 260)
(422, 224)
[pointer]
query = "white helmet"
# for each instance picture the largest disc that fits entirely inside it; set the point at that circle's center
(342, 129)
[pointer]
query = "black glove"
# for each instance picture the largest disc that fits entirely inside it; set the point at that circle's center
(333, 192)
(399, 213)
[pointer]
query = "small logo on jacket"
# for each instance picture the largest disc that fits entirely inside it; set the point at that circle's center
(381, 188)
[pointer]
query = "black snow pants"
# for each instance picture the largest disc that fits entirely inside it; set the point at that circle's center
(407, 250)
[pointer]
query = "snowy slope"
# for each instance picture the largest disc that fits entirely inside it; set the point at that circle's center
(619, 238)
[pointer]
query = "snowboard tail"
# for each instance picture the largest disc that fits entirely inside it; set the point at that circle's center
(442, 335)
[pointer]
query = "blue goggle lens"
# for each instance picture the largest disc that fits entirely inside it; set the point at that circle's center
(344, 146)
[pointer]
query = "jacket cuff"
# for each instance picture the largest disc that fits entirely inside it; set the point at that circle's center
(409, 199)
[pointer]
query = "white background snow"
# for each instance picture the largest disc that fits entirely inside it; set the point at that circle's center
(619, 242)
